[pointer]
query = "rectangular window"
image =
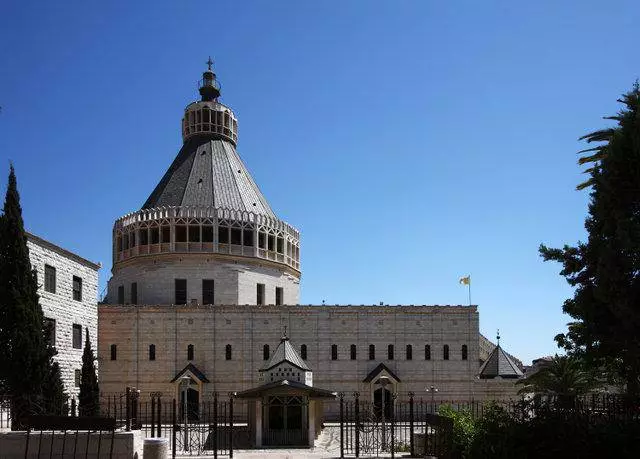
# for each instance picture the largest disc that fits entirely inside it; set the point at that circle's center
(409, 352)
(372, 352)
(223, 235)
(303, 352)
(464, 352)
(265, 352)
(334, 352)
(50, 328)
(49, 279)
(152, 351)
(114, 352)
(181, 291)
(77, 336)
(78, 377)
(190, 352)
(353, 352)
(279, 295)
(77, 288)
(247, 238)
(445, 352)
(207, 291)
(427, 352)
(227, 352)
(121, 294)
(390, 351)
(134, 293)
(260, 294)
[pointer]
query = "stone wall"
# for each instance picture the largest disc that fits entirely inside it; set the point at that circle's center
(248, 328)
(235, 279)
(61, 306)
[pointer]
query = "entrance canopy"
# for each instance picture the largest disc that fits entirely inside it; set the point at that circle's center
(285, 386)
(193, 372)
(381, 370)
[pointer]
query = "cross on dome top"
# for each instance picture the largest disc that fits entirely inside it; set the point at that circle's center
(209, 62)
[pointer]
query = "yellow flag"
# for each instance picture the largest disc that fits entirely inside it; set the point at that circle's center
(465, 280)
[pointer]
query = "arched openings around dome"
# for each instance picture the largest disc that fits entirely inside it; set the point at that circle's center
(205, 229)
(203, 117)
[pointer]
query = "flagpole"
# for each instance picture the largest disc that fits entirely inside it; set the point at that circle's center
(469, 285)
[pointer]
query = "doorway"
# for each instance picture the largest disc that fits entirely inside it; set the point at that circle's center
(377, 403)
(286, 420)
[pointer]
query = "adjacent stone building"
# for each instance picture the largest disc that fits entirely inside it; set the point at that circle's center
(68, 289)
(206, 280)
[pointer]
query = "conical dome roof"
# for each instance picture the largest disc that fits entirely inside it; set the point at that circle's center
(209, 172)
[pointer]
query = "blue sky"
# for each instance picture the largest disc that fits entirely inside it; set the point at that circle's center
(411, 142)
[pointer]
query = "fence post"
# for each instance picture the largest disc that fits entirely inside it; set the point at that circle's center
(175, 427)
(214, 428)
(394, 396)
(341, 395)
(231, 395)
(153, 416)
(357, 419)
(412, 447)
(128, 408)
(159, 417)
(73, 407)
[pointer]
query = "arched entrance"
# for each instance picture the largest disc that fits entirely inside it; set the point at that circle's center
(379, 400)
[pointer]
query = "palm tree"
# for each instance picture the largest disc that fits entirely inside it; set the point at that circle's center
(563, 378)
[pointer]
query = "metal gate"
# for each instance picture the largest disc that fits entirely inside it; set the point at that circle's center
(407, 426)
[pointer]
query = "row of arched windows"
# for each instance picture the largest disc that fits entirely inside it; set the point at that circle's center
(152, 352)
(353, 352)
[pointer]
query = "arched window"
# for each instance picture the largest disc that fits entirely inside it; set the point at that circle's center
(227, 352)
(303, 352)
(372, 351)
(114, 352)
(353, 352)
(445, 352)
(265, 352)
(390, 351)
(427, 352)
(190, 352)
(152, 351)
(409, 352)
(334, 352)
(464, 352)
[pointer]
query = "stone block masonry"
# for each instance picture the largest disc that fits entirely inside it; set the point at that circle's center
(58, 304)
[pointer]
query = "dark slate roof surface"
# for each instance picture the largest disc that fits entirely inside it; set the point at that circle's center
(209, 172)
(377, 370)
(499, 364)
(194, 371)
(285, 352)
(312, 392)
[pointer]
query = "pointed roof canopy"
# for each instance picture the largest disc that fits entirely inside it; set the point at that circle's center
(285, 352)
(499, 364)
(191, 370)
(378, 371)
(277, 386)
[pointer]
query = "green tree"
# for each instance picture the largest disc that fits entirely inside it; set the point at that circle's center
(25, 357)
(89, 399)
(605, 270)
(55, 399)
(564, 377)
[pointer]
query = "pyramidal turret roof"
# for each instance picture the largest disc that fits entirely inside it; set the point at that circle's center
(285, 352)
(499, 364)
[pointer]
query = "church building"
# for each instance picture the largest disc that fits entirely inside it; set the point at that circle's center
(206, 282)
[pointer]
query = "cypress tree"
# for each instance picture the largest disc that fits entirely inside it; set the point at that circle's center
(605, 270)
(89, 399)
(55, 399)
(26, 357)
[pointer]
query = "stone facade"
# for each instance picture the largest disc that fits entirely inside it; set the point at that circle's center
(60, 306)
(249, 328)
(235, 279)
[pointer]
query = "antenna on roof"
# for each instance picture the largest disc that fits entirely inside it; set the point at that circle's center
(498, 336)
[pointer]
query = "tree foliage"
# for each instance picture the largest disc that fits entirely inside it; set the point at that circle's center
(564, 376)
(605, 270)
(27, 371)
(89, 398)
